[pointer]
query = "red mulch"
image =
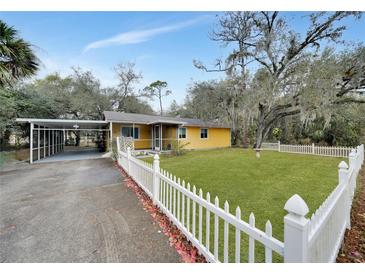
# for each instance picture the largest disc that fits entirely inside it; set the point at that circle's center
(188, 253)
(353, 248)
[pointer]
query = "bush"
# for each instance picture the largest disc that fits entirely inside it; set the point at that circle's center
(178, 147)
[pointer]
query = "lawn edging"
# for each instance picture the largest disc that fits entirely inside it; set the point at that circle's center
(187, 252)
(353, 246)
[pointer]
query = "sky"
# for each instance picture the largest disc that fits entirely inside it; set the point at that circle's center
(163, 45)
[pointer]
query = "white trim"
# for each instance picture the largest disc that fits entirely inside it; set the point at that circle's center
(201, 133)
(49, 143)
(31, 120)
(39, 143)
(133, 127)
(161, 144)
(31, 143)
(44, 144)
(186, 133)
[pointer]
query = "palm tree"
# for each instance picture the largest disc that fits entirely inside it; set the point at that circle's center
(17, 59)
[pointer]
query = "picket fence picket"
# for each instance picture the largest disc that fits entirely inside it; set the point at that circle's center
(314, 239)
(309, 149)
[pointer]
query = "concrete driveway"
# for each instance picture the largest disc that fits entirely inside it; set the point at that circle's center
(75, 211)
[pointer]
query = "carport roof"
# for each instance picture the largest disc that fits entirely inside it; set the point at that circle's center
(65, 123)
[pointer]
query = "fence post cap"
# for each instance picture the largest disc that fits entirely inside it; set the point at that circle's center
(296, 205)
(156, 157)
(343, 165)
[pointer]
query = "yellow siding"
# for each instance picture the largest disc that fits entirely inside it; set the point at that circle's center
(217, 137)
(144, 141)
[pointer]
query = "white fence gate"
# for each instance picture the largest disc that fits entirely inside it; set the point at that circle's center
(305, 240)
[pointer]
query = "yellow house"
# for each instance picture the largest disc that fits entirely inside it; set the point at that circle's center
(152, 132)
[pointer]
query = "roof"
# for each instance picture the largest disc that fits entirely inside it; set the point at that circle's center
(65, 123)
(123, 117)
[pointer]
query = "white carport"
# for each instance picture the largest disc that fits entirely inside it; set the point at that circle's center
(47, 136)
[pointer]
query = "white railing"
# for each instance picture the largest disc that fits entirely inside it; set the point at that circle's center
(309, 149)
(186, 208)
(327, 225)
(305, 240)
(270, 146)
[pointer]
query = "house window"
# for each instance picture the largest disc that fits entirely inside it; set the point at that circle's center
(182, 133)
(204, 133)
(128, 132)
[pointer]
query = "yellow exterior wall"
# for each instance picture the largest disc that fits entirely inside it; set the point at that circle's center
(217, 138)
(144, 141)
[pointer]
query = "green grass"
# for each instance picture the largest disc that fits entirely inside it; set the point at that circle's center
(261, 186)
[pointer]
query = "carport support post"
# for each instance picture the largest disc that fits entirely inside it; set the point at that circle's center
(31, 143)
(64, 140)
(156, 181)
(49, 143)
(52, 141)
(111, 136)
(44, 142)
(39, 143)
(56, 141)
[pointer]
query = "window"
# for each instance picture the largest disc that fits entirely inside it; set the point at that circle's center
(182, 133)
(204, 133)
(128, 132)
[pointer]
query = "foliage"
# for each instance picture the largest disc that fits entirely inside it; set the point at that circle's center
(291, 76)
(276, 133)
(179, 147)
(76, 96)
(17, 60)
(127, 77)
(157, 89)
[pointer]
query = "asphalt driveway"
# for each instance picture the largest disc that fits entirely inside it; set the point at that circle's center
(75, 211)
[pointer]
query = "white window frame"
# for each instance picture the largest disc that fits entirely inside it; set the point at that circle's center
(186, 133)
(201, 133)
(133, 128)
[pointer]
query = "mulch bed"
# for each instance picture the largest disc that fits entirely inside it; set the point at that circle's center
(188, 253)
(353, 248)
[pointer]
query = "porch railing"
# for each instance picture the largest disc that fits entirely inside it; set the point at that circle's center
(150, 144)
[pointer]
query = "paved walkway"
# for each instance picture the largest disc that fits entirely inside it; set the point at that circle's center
(75, 211)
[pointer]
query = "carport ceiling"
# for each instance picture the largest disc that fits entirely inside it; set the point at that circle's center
(66, 124)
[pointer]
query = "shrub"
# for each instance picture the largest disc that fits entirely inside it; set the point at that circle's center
(179, 147)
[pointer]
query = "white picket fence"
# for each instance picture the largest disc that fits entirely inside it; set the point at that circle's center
(198, 218)
(327, 225)
(309, 149)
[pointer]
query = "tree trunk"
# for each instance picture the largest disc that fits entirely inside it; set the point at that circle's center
(245, 141)
(260, 127)
(259, 135)
(234, 136)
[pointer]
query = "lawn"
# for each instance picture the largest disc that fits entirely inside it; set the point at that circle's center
(261, 186)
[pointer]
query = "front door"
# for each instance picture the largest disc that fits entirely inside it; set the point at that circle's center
(156, 135)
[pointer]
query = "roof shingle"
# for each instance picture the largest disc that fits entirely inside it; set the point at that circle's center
(114, 116)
